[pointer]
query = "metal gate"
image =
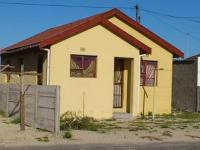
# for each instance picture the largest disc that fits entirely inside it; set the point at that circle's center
(118, 83)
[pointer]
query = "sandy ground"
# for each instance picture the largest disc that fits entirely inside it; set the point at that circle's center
(10, 135)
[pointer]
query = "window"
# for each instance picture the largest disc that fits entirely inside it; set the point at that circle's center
(83, 66)
(148, 73)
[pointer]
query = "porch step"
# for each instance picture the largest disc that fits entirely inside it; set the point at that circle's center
(123, 116)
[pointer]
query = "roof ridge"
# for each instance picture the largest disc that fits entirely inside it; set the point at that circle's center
(52, 34)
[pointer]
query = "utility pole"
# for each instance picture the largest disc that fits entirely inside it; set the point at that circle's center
(188, 45)
(137, 13)
(22, 105)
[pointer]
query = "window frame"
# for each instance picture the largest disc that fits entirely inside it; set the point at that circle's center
(82, 69)
(144, 78)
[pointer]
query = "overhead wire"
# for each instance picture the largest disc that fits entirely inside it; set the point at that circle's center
(194, 19)
(61, 5)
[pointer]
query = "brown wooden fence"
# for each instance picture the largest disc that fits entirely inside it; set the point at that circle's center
(42, 105)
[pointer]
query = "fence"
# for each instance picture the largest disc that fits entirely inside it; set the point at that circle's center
(198, 99)
(42, 105)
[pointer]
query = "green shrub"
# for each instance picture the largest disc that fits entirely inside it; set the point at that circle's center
(70, 120)
(164, 126)
(150, 114)
(43, 139)
(110, 119)
(16, 120)
(2, 113)
(67, 135)
(142, 116)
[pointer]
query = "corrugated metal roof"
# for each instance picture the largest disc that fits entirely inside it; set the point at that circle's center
(57, 34)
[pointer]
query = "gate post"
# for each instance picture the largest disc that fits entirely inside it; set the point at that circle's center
(57, 111)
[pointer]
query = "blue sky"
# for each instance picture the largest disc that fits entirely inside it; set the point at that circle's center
(19, 22)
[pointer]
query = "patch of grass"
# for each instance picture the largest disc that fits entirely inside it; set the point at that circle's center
(139, 128)
(196, 127)
(109, 124)
(182, 127)
(2, 114)
(5, 121)
(167, 133)
(71, 120)
(110, 119)
(43, 139)
(193, 136)
(167, 116)
(117, 127)
(133, 129)
(67, 135)
(101, 131)
(164, 125)
(16, 120)
(188, 115)
(151, 138)
(142, 116)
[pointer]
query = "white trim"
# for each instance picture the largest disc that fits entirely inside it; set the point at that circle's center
(48, 64)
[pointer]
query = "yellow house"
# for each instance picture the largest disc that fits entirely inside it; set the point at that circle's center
(105, 63)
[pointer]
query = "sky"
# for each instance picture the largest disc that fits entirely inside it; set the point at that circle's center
(182, 28)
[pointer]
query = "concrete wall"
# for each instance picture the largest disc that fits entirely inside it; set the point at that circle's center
(162, 93)
(198, 71)
(94, 96)
(185, 85)
(198, 84)
(41, 105)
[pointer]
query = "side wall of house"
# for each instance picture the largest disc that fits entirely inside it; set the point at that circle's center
(91, 96)
(185, 86)
(198, 84)
(161, 94)
(198, 71)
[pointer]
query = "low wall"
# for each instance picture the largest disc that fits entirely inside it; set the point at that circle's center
(184, 95)
(198, 99)
(42, 105)
(15, 78)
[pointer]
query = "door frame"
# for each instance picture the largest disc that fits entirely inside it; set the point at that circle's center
(121, 83)
(127, 86)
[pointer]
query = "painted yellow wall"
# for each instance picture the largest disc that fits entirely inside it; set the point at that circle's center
(97, 93)
(163, 91)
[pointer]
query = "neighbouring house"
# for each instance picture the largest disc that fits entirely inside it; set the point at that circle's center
(103, 64)
(186, 84)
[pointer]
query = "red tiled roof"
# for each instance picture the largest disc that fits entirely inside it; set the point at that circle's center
(59, 33)
(36, 39)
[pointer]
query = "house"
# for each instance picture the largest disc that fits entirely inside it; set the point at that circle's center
(186, 84)
(97, 62)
